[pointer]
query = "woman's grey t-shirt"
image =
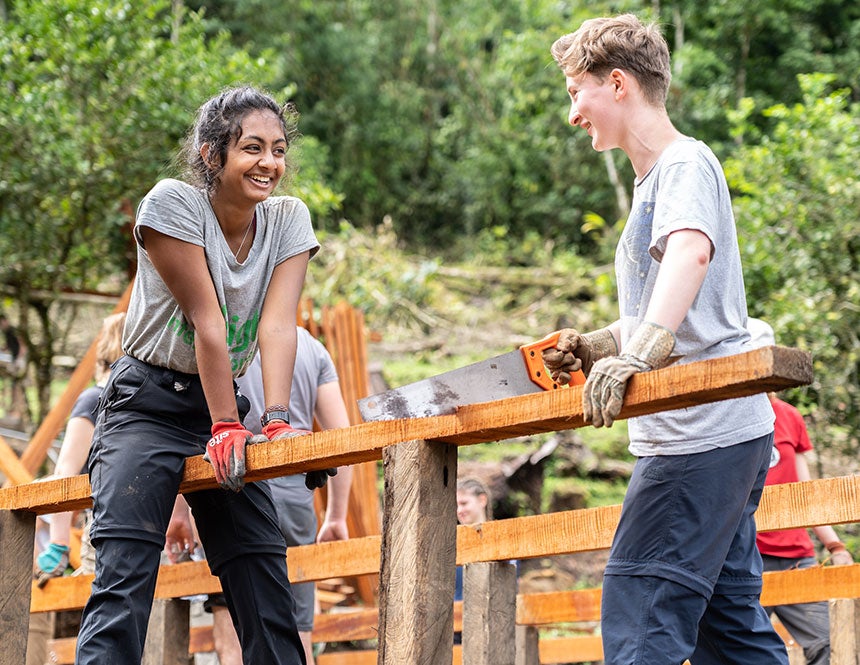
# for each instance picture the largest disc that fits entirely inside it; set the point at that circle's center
(686, 189)
(156, 331)
(314, 367)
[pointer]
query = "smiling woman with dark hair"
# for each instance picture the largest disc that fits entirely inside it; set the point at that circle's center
(221, 264)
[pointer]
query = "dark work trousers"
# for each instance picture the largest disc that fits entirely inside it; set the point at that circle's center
(150, 420)
(684, 574)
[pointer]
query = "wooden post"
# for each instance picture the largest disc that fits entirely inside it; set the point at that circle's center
(527, 646)
(845, 631)
(489, 613)
(11, 466)
(17, 531)
(167, 634)
(41, 632)
(419, 535)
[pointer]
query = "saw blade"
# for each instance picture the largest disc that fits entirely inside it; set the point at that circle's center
(484, 381)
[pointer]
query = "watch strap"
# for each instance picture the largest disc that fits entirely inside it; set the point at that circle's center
(269, 416)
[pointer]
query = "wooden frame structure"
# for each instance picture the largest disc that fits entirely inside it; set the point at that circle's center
(419, 455)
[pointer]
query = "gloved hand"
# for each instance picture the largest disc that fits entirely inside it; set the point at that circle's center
(279, 429)
(603, 394)
(839, 554)
(52, 562)
(226, 452)
(576, 351)
(317, 479)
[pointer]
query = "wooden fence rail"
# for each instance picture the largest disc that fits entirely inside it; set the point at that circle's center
(541, 609)
(419, 523)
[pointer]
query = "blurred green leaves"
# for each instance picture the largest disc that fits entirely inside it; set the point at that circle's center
(797, 197)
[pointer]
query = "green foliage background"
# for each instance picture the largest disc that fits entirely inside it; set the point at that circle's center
(435, 144)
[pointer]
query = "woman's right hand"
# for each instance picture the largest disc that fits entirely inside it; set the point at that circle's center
(226, 452)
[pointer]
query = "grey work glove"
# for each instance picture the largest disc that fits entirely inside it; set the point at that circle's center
(577, 351)
(603, 394)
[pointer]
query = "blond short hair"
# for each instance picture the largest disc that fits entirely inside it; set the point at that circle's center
(109, 346)
(620, 42)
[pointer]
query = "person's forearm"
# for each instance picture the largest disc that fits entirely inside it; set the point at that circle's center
(75, 448)
(278, 357)
(216, 377)
(338, 494)
(61, 528)
(826, 534)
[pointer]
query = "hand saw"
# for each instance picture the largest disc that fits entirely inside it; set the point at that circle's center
(515, 373)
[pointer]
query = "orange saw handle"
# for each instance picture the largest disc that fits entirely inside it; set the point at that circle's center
(535, 367)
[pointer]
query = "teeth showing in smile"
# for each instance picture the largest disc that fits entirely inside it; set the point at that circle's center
(261, 179)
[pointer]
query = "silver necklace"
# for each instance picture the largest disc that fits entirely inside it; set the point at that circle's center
(244, 238)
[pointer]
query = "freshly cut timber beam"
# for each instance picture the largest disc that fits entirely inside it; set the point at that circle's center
(489, 609)
(766, 369)
(552, 534)
(417, 567)
(17, 531)
(784, 587)
(540, 609)
(11, 466)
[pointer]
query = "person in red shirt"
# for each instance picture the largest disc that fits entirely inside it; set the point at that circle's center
(808, 623)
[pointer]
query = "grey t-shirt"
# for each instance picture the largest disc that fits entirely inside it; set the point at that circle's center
(314, 368)
(156, 331)
(686, 189)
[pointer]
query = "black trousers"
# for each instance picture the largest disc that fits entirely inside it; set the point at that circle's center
(150, 420)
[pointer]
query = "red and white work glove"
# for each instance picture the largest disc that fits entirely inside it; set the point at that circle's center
(603, 394)
(226, 453)
(279, 429)
(577, 351)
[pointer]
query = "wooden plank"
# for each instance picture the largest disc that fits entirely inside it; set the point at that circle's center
(61, 651)
(369, 657)
(200, 639)
(501, 540)
(347, 658)
(811, 585)
(551, 607)
(328, 628)
(343, 329)
(786, 587)
(765, 369)
(42, 629)
(416, 618)
(489, 611)
(174, 581)
(167, 638)
(346, 626)
(36, 451)
(17, 530)
(583, 649)
(844, 631)
(795, 651)
(11, 466)
(528, 647)
(827, 501)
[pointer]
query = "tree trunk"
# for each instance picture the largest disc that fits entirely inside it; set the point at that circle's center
(621, 198)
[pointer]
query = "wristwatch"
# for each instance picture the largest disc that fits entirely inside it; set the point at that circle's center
(269, 416)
